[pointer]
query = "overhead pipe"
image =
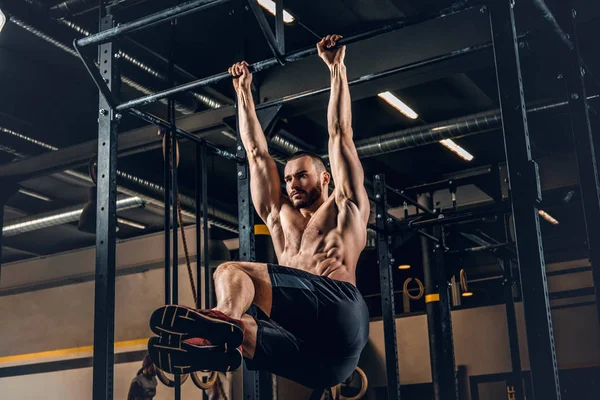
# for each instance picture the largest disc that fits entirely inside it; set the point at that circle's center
(58, 217)
(220, 218)
(180, 107)
(433, 133)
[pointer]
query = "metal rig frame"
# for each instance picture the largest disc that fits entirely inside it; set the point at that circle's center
(523, 180)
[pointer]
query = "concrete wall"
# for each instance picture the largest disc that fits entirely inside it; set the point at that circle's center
(481, 343)
(62, 317)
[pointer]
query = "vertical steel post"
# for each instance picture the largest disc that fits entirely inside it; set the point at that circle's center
(525, 189)
(8, 189)
(251, 381)
(174, 186)
(279, 26)
(387, 289)
(207, 272)
(585, 148)
(167, 216)
(437, 304)
(199, 251)
(449, 380)
(106, 223)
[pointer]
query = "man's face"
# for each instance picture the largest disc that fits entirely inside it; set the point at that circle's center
(302, 182)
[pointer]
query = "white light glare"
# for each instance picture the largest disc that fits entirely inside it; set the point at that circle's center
(34, 194)
(130, 223)
(548, 217)
(2, 20)
(398, 105)
(269, 5)
(462, 153)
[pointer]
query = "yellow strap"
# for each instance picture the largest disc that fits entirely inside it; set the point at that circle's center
(432, 297)
(261, 230)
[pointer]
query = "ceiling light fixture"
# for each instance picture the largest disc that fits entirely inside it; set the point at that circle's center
(467, 294)
(548, 217)
(131, 223)
(269, 5)
(462, 153)
(36, 195)
(398, 105)
(404, 266)
(2, 20)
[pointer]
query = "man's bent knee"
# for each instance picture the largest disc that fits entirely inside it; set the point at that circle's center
(225, 268)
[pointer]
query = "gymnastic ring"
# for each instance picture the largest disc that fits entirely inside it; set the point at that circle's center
(364, 385)
(421, 289)
(201, 385)
(463, 281)
(169, 382)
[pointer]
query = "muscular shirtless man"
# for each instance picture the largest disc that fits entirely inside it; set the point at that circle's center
(313, 322)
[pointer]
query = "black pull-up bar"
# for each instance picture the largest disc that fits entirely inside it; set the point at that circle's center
(198, 5)
(149, 21)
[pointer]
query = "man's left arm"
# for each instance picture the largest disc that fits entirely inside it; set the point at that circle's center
(346, 168)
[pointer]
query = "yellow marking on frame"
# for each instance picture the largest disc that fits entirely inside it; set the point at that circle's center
(429, 298)
(261, 230)
(69, 351)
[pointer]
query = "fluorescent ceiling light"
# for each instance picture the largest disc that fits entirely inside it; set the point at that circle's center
(548, 217)
(398, 105)
(269, 5)
(2, 20)
(462, 153)
(34, 194)
(130, 223)
(467, 294)
(404, 266)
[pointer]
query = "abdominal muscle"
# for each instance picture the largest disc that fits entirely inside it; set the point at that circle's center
(325, 257)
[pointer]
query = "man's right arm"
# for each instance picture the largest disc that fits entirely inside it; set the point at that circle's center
(265, 185)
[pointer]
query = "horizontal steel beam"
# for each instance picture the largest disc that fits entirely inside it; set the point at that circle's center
(295, 56)
(149, 21)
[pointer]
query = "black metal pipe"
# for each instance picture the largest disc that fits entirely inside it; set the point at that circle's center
(515, 382)
(524, 182)
(410, 200)
(174, 156)
(431, 304)
(167, 216)
(387, 290)
(586, 146)
(207, 272)
(106, 224)
(190, 136)
(460, 217)
(548, 16)
(200, 252)
(298, 55)
(149, 21)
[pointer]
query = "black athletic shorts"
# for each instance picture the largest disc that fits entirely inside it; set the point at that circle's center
(317, 329)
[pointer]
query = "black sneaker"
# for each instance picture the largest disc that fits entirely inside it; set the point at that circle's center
(213, 325)
(175, 356)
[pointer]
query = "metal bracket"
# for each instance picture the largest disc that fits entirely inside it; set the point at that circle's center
(275, 43)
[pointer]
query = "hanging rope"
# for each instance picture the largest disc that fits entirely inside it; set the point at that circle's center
(186, 251)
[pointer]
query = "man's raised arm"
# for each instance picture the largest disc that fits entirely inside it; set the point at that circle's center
(265, 185)
(346, 169)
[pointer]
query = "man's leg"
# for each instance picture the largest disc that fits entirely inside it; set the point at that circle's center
(241, 284)
(237, 286)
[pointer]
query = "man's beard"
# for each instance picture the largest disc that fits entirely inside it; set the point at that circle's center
(308, 199)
